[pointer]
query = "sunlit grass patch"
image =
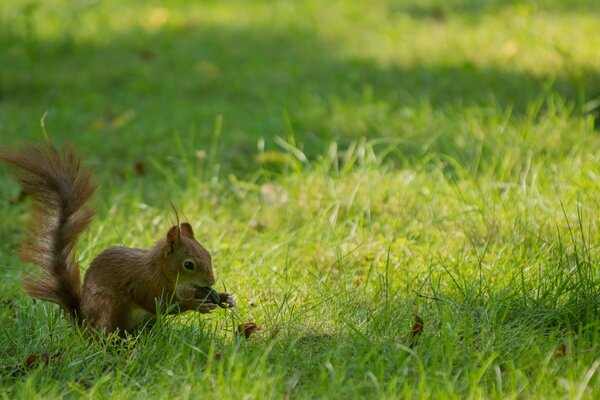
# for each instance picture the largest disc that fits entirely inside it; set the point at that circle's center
(353, 169)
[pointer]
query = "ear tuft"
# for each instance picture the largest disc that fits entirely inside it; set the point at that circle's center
(186, 230)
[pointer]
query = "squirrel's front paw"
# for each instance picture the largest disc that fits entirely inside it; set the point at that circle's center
(203, 307)
(226, 301)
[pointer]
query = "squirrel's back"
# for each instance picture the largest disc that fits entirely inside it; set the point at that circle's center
(117, 266)
(59, 189)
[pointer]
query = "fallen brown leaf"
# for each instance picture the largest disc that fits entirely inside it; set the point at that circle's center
(32, 359)
(43, 359)
(416, 331)
(562, 350)
(147, 54)
(139, 167)
(247, 329)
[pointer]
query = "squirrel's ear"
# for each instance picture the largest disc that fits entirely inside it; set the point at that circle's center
(186, 230)
(174, 234)
(173, 237)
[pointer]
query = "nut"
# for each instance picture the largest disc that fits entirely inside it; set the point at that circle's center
(208, 294)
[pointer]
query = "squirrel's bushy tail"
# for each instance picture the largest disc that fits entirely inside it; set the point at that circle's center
(59, 189)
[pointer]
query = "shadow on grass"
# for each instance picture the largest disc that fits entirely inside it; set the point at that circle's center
(133, 93)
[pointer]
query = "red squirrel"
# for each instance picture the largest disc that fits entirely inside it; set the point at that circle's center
(122, 284)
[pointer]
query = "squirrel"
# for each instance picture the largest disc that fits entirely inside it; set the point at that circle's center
(122, 285)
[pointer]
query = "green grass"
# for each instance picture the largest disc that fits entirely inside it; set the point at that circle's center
(348, 164)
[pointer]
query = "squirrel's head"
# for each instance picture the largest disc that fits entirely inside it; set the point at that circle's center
(187, 262)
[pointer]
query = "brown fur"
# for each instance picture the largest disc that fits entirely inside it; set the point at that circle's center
(59, 189)
(120, 281)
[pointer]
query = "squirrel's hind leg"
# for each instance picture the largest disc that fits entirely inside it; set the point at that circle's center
(105, 313)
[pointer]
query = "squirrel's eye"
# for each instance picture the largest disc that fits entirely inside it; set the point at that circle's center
(189, 265)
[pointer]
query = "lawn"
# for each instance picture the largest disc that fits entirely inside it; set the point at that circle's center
(353, 167)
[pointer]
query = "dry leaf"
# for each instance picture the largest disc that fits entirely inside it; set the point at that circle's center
(139, 167)
(43, 359)
(32, 359)
(247, 329)
(30, 362)
(416, 331)
(562, 350)
(359, 280)
(147, 54)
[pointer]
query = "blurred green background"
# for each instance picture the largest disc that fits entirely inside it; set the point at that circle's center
(121, 80)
